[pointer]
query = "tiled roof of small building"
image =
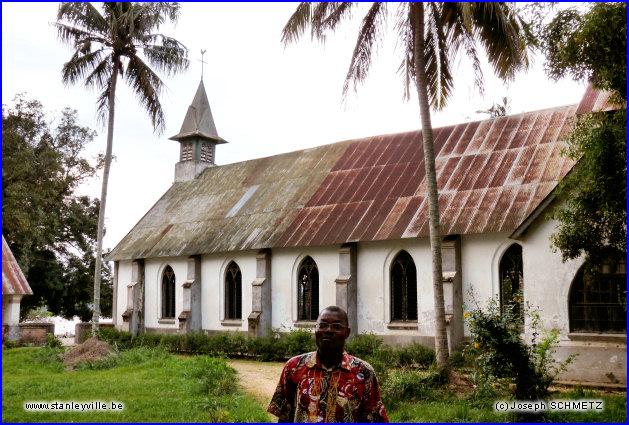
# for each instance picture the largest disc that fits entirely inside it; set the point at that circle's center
(491, 175)
(13, 280)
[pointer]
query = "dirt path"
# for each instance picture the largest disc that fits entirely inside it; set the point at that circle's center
(258, 379)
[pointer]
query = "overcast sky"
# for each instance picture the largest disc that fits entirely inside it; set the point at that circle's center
(265, 99)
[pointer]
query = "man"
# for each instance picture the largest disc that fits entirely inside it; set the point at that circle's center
(328, 385)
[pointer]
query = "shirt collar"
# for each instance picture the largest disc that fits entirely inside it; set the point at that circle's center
(313, 360)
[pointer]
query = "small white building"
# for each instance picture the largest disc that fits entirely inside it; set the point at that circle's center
(269, 242)
(14, 287)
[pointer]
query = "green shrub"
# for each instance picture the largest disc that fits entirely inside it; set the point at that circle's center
(414, 355)
(298, 341)
(504, 358)
(364, 346)
(52, 341)
(404, 385)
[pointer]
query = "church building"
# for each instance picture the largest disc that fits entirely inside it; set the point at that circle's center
(268, 243)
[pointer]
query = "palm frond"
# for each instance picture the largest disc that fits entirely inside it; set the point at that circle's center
(297, 24)
(165, 54)
(99, 77)
(368, 34)
(338, 13)
(405, 42)
(147, 86)
(497, 28)
(82, 15)
(80, 65)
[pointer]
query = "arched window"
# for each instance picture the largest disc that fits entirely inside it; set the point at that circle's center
(403, 288)
(308, 290)
(233, 292)
(597, 301)
(168, 293)
(512, 280)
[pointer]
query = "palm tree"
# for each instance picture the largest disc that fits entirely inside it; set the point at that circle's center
(431, 35)
(106, 47)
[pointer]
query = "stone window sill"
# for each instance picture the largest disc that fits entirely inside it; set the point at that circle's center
(596, 337)
(305, 324)
(402, 325)
(166, 321)
(231, 322)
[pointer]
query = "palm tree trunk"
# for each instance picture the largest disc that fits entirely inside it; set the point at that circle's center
(103, 198)
(441, 336)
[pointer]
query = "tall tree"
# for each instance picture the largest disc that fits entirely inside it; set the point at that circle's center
(50, 229)
(108, 46)
(431, 36)
(591, 46)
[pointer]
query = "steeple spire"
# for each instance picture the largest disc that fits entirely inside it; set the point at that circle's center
(198, 138)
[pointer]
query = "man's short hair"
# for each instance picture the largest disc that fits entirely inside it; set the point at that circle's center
(336, 309)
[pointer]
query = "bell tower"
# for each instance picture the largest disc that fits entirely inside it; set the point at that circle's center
(198, 138)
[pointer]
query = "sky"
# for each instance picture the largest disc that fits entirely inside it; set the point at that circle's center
(265, 99)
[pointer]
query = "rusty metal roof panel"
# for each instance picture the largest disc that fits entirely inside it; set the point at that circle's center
(594, 100)
(13, 280)
(491, 175)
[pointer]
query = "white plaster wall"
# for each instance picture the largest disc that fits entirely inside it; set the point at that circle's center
(124, 279)
(374, 267)
(284, 267)
(11, 309)
(547, 279)
(153, 269)
(213, 269)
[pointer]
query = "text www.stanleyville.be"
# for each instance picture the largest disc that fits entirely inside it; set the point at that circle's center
(75, 406)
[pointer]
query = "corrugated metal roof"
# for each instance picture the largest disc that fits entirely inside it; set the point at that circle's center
(491, 175)
(595, 100)
(13, 280)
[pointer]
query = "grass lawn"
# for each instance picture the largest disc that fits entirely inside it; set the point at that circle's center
(153, 386)
(450, 408)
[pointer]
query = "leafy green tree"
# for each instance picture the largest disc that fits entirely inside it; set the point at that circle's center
(119, 43)
(591, 46)
(49, 228)
(431, 36)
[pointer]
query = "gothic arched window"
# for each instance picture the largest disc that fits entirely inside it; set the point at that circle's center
(597, 301)
(403, 288)
(308, 290)
(233, 292)
(168, 293)
(512, 280)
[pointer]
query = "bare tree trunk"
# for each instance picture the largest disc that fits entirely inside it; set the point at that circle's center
(103, 198)
(441, 336)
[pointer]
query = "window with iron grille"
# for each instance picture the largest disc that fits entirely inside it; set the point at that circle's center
(168, 293)
(512, 280)
(308, 290)
(233, 292)
(597, 302)
(403, 288)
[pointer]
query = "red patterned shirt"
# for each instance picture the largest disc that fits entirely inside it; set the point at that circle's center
(309, 392)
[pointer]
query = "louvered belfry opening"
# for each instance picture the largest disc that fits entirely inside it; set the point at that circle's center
(512, 281)
(308, 290)
(168, 293)
(233, 292)
(597, 302)
(403, 288)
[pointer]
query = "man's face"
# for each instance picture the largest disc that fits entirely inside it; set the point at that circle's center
(328, 338)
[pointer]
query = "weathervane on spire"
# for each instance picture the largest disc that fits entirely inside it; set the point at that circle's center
(202, 62)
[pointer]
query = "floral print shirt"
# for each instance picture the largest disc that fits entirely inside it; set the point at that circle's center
(309, 392)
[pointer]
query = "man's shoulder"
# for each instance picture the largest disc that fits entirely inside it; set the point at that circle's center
(356, 363)
(301, 359)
